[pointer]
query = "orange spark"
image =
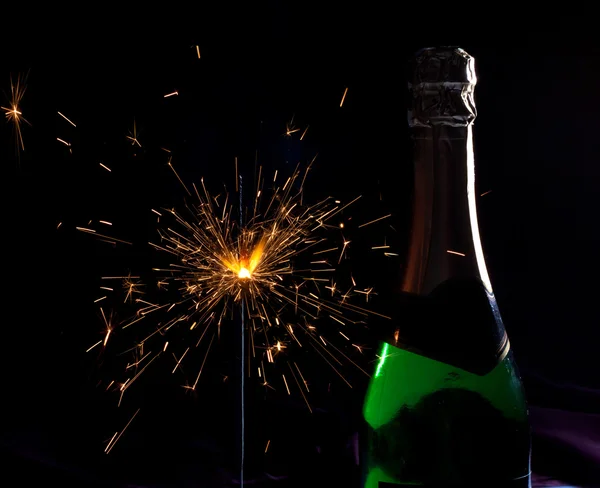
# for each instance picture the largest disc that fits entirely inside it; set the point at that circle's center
(344, 97)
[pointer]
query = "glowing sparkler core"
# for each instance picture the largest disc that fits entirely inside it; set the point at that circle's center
(244, 267)
(243, 273)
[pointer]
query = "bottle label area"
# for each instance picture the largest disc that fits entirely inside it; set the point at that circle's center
(457, 323)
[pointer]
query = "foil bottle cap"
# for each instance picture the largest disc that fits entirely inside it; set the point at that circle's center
(441, 86)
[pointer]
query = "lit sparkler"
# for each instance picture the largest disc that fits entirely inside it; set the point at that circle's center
(281, 264)
(13, 112)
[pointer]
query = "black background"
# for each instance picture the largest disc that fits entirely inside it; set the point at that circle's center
(536, 151)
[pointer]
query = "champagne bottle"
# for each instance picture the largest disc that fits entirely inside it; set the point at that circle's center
(445, 406)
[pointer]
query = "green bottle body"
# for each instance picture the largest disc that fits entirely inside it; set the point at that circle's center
(445, 406)
(434, 424)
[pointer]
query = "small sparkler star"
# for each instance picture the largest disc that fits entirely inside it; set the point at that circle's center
(13, 112)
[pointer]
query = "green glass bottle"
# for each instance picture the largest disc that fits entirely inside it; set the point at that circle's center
(445, 406)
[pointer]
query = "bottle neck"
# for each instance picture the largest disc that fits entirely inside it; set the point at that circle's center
(445, 242)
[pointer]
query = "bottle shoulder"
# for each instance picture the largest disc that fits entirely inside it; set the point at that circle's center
(458, 323)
